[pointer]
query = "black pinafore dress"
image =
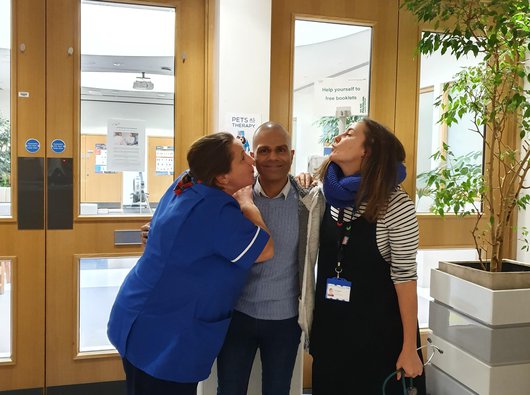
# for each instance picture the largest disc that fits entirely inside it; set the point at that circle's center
(355, 344)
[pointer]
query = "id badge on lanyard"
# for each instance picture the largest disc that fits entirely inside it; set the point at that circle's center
(338, 288)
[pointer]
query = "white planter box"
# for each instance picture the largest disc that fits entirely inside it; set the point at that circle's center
(479, 376)
(484, 335)
(492, 307)
(440, 383)
(496, 346)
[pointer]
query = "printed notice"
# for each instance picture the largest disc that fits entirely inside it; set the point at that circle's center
(100, 152)
(242, 126)
(125, 145)
(331, 93)
(164, 160)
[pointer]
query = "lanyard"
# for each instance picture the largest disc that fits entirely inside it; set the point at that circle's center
(344, 238)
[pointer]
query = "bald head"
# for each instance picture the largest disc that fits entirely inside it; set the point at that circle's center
(267, 129)
(273, 156)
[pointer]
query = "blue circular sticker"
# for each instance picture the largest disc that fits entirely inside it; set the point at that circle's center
(32, 145)
(58, 146)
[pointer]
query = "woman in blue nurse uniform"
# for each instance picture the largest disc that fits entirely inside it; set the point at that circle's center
(172, 312)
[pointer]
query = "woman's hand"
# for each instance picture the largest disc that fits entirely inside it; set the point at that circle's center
(410, 362)
(249, 210)
(305, 180)
(244, 196)
(145, 232)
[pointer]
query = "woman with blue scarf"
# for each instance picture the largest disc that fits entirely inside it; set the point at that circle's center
(365, 316)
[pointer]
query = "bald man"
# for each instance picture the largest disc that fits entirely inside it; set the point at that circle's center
(266, 315)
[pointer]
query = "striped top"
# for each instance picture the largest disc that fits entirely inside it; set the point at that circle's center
(397, 234)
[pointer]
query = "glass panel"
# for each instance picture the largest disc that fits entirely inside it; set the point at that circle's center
(99, 282)
(331, 86)
(436, 70)
(6, 310)
(5, 108)
(127, 107)
(427, 260)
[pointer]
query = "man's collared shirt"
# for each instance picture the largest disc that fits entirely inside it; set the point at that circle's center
(258, 190)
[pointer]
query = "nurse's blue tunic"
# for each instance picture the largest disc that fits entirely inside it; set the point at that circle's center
(172, 312)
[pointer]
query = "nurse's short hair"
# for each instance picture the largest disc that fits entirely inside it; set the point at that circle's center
(211, 156)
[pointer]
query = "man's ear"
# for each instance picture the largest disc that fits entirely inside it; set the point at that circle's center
(222, 180)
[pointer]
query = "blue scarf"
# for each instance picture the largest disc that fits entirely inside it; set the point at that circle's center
(340, 191)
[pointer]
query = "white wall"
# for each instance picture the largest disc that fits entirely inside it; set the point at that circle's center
(95, 114)
(5, 79)
(244, 29)
(242, 78)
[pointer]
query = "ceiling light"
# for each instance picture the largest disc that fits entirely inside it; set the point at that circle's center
(143, 83)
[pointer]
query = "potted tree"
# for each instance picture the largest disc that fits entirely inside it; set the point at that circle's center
(330, 127)
(496, 96)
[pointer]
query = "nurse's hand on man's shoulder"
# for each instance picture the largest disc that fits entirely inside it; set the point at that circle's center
(145, 232)
(244, 196)
(305, 180)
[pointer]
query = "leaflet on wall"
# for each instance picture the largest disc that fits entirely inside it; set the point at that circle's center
(125, 145)
(100, 152)
(242, 126)
(331, 93)
(164, 160)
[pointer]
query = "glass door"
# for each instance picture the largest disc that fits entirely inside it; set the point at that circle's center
(331, 62)
(90, 137)
(119, 95)
(22, 217)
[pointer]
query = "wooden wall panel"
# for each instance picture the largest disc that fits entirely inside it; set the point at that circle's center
(97, 187)
(27, 247)
(157, 184)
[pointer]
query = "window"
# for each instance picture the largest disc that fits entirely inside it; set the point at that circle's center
(6, 309)
(127, 107)
(99, 282)
(330, 86)
(5, 108)
(436, 70)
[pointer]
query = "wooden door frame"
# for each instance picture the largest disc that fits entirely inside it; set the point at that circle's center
(435, 232)
(285, 12)
(95, 235)
(26, 248)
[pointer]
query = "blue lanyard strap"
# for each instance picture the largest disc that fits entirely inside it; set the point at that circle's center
(344, 237)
